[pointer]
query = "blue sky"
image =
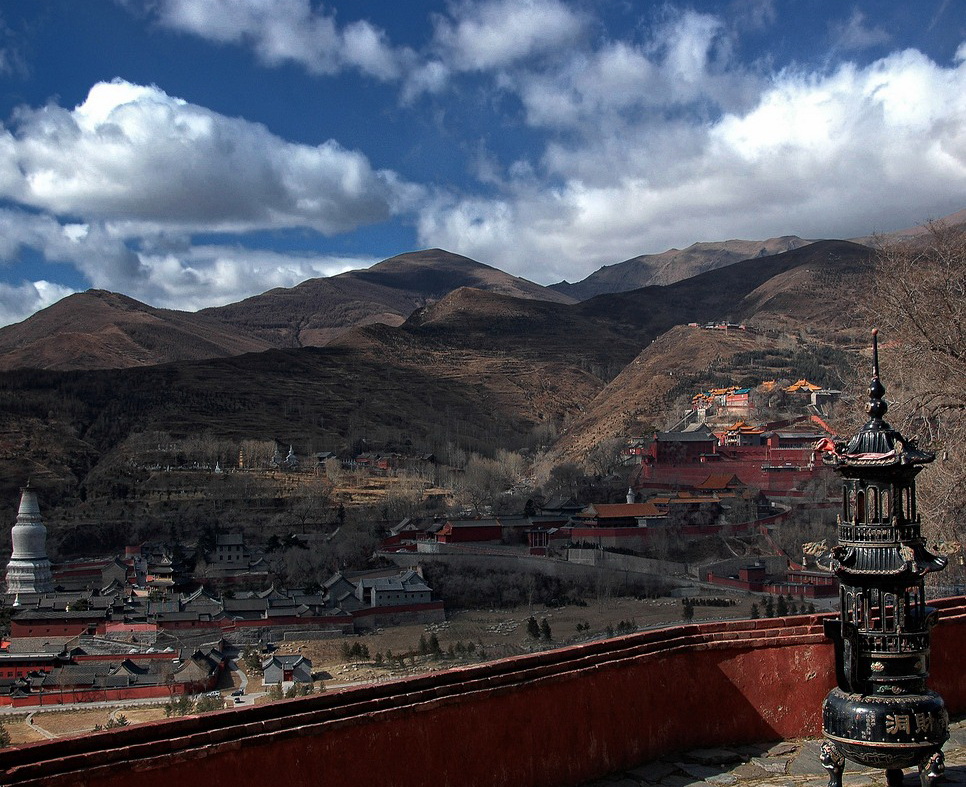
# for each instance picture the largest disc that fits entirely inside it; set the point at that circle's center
(190, 153)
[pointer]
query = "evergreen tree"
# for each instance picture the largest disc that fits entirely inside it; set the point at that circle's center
(769, 607)
(545, 630)
(754, 611)
(687, 612)
(252, 661)
(781, 607)
(533, 628)
(434, 647)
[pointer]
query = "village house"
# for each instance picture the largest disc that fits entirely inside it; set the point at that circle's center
(47, 622)
(776, 577)
(232, 562)
(559, 509)
(92, 574)
(721, 483)
(741, 434)
(456, 531)
(77, 676)
(283, 668)
(407, 533)
(614, 515)
(689, 446)
(399, 590)
(324, 456)
(804, 387)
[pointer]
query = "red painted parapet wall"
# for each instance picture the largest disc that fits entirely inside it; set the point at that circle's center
(545, 720)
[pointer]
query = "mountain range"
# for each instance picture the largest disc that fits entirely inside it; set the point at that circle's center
(102, 330)
(482, 361)
(673, 265)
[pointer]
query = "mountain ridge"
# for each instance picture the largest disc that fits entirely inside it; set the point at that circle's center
(98, 329)
(318, 310)
(674, 265)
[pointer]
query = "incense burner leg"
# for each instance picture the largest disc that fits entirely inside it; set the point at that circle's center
(932, 769)
(894, 777)
(833, 762)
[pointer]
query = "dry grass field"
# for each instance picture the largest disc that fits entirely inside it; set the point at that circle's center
(496, 633)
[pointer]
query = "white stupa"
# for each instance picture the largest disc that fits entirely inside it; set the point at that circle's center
(29, 569)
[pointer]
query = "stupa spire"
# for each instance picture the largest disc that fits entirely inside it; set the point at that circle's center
(29, 568)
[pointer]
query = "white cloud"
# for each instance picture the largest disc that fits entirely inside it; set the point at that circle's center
(133, 155)
(690, 42)
(289, 31)
(855, 34)
(684, 68)
(835, 154)
(19, 301)
(163, 271)
(430, 77)
(200, 276)
(12, 59)
(496, 33)
(472, 36)
(653, 139)
(754, 14)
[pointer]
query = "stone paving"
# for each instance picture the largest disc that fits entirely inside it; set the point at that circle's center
(785, 764)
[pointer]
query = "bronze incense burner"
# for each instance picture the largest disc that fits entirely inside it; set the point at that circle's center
(881, 714)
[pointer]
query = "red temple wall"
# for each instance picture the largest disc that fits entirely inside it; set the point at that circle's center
(544, 720)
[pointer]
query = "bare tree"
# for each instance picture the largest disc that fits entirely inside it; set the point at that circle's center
(606, 456)
(920, 305)
(481, 482)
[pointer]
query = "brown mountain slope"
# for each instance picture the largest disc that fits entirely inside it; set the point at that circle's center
(529, 363)
(469, 318)
(652, 392)
(632, 403)
(389, 386)
(805, 319)
(476, 369)
(316, 311)
(732, 293)
(100, 330)
(955, 221)
(674, 265)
